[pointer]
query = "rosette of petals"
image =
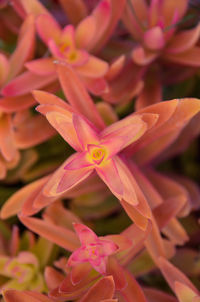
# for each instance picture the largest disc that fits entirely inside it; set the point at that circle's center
(73, 46)
(92, 250)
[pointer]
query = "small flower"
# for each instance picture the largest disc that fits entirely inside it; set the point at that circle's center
(92, 250)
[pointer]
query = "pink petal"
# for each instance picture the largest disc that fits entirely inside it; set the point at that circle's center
(24, 47)
(48, 28)
(94, 68)
(73, 177)
(16, 103)
(108, 172)
(154, 38)
(77, 257)
(103, 12)
(77, 95)
(85, 133)
(79, 161)
(123, 133)
(85, 32)
(85, 234)
(95, 86)
(68, 36)
(44, 66)
(26, 82)
(109, 247)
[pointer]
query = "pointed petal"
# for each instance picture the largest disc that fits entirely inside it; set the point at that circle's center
(44, 66)
(53, 278)
(102, 289)
(56, 234)
(170, 7)
(190, 57)
(63, 124)
(14, 204)
(79, 161)
(184, 40)
(173, 274)
(184, 293)
(77, 95)
(73, 177)
(85, 32)
(85, 234)
(24, 47)
(48, 28)
(84, 131)
(75, 10)
(94, 68)
(26, 82)
(108, 172)
(45, 98)
(109, 247)
(123, 133)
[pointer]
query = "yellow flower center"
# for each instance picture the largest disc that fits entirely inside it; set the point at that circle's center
(97, 153)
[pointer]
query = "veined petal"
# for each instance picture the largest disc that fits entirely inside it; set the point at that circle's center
(85, 32)
(63, 124)
(127, 130)
(72, 177)
(44, 66)
(48, 28)
(190, 57)
(94, 68)
(85, 234)
(109, 174)
(80, 161)
(77, 95)
(84, 131)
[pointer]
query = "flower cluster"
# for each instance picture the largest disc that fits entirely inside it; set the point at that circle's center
(99, 125)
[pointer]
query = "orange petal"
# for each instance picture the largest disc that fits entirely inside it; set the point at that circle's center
(85, 32)
(44, 66)
(77, 95)
(48, 28)
(190, 57)
(56, 234)
(75, 10)
(7, 145)
(103, 289)
(24, 47)
(94, 68)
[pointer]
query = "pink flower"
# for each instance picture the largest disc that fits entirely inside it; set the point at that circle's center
(92, 250)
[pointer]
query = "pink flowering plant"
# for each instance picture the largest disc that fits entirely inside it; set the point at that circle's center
(99, 151)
